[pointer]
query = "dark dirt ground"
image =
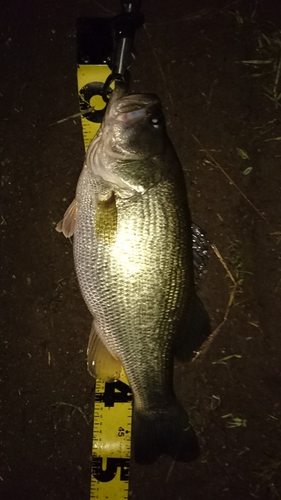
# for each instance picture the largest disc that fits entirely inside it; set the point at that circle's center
(217, 107)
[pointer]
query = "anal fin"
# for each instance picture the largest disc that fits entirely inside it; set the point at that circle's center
(101, 363)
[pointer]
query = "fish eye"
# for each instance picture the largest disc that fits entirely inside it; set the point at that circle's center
(155, 122)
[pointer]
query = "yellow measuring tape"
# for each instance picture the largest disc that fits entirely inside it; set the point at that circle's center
(111, 446)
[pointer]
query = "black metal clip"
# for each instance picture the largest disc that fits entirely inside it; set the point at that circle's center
(110, 41)
(124, 27)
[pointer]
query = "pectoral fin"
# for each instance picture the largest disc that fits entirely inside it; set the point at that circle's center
(106, 217)
(68, 223)
(101, 363)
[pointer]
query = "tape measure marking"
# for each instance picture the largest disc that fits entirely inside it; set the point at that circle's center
(111, 447)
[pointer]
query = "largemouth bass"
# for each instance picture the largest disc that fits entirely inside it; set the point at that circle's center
(133, 258)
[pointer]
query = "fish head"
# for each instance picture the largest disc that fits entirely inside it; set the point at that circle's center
(130, 147)
(136, 127)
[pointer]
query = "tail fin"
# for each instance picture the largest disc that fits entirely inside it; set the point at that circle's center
(167, 433)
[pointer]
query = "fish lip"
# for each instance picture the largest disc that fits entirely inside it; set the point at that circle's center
(136, 102)
(131, 108)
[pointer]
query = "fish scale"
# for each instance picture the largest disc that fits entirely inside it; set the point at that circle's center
(151, 296)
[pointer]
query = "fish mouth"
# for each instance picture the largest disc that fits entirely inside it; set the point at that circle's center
(131, 108)
(135, 107)
(136, 102)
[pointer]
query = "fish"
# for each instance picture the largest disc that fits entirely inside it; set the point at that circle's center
(132, 242)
